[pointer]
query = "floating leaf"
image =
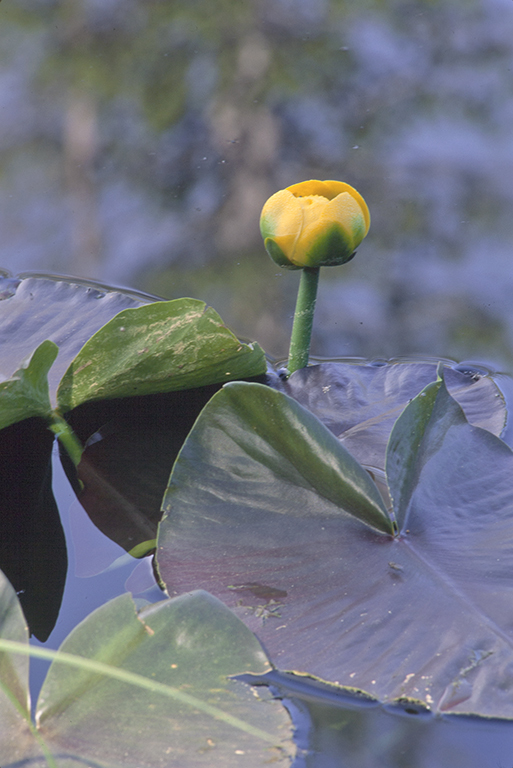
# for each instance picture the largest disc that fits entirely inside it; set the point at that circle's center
(67, 311)
(160, 347)
(153, 688)
(359, 403)
(425, 614)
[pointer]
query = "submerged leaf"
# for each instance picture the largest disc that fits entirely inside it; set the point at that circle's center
(425, 614)
(160, 347)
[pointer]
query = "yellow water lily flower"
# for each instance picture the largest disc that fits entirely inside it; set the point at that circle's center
(314, 224)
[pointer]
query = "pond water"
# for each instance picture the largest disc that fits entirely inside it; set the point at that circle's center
(335, 731)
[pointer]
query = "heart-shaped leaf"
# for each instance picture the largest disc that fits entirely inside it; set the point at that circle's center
(424, 614)
(145, 689)
(160, 347)
(359, 402)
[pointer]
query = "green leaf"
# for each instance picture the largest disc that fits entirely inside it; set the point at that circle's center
(153, 688)
(292, 451)
(160, 347)
(425, 614)
(25, 393)
(410, 435)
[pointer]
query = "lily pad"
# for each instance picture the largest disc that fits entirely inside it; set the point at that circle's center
(149, 688)
(44, 324)
(424, 614)
(359, 402)
(67, 311)
(161, 347)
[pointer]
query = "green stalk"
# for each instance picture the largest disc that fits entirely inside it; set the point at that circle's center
(303, 319)
(66, 437)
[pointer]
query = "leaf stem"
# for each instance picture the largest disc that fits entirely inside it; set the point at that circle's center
(303, 319)
(66, 437)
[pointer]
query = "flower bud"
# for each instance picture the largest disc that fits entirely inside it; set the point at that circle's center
(314, 224)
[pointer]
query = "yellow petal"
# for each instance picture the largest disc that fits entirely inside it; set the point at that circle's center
(281, 215)
(347, 210)
(359, 199)
(312, 187)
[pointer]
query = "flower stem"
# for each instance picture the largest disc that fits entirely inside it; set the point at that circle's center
(303, 319)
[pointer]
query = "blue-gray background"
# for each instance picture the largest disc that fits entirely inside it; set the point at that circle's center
(139, 140)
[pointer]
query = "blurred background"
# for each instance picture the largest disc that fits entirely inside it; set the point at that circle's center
(139, 140)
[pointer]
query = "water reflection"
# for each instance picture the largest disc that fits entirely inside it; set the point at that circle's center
(336, 728)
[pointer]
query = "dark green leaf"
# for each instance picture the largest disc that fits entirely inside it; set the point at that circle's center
(32, 545)
(161, 347)
(130, 447)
